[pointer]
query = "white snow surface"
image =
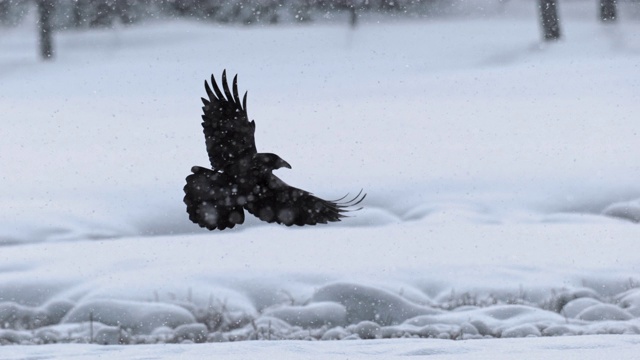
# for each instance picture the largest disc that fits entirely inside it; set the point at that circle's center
(561, 348)
(501, 173)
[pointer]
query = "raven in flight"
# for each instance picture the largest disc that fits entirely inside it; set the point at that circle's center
(241, 177)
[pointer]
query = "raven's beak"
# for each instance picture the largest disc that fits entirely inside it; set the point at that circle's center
(284, 164)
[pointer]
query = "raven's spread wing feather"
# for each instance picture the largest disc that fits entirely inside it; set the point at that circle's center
(229, 135)
(278, 202)
(211, 201)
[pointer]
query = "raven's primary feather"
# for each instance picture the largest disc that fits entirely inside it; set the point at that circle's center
(241, 178)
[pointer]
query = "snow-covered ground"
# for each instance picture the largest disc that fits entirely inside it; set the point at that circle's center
(583, 348)
(502, 180)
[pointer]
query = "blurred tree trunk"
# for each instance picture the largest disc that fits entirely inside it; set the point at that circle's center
(353, 15)
(103, 15)
(608, 10)
(4, 11)
(123, 9)
(549, 18)
(80, 12)
(45, 11)
(77, 13)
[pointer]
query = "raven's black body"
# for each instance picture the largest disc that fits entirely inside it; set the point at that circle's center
(241, 178)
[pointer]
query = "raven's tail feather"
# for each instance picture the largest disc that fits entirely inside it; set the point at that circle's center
(209, 200)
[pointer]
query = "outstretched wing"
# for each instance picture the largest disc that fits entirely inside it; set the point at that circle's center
(228, 133)
(276, 201)
(211, 201)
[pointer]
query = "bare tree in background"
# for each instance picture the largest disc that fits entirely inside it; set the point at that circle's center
(608, 10)
(549, 18)
(353, 15)
(45, 10)
(4, 11)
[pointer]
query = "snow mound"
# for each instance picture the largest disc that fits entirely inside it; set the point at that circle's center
(490, 321)
(196, 333)
(630, 301)
(85, 332)
(603, 312)
(112, 335)
(573, 308)
(17, 316)
(367, 303)
(627, 210)
(524, 330)
(140, 317)
(8, 336)
(312, 315)
(366, 330)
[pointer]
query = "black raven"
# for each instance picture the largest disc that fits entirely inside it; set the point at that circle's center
(241, 177)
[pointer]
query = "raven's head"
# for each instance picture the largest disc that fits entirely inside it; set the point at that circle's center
(268, 162)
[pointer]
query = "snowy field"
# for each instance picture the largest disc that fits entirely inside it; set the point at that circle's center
(583, 348)
(501, 173)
